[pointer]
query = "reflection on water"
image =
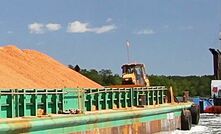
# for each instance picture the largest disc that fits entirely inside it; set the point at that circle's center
(209, 124)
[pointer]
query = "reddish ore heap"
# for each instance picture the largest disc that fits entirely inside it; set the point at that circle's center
(32, 69)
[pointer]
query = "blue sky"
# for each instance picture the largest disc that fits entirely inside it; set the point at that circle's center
(171, 37)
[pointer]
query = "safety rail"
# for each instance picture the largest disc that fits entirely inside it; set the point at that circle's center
(28, 102)
(117, 98)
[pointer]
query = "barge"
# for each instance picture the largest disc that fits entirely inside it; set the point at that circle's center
(94, 110)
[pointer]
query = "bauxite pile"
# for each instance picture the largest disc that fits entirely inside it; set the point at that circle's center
(32, 69)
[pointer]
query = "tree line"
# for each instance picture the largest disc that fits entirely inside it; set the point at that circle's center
(197, 85)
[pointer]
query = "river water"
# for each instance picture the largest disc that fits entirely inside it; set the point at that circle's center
(209, 124)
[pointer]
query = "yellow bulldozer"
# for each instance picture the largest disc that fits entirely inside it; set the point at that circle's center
(134, 74)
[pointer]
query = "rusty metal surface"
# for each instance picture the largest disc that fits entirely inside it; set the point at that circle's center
(20, 126)
(155, 126)
(135, 128)
(137, 120)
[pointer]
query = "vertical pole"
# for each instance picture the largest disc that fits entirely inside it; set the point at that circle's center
(12, 104)
(171, 95)
(128, 54)
(94, 101)
(24, 102)
(131, 97)
(112, 98)
(16, 103)
(83, 100)
(91, 100)
(153, 97)
(158, 98)
(56, 101)
(62, 101)
(125, 98)
(148, 98)
(106, 98)
(119, 98)
(99, 106)
(46, 101)
(161, 96)
(35, 103)
(79, 98)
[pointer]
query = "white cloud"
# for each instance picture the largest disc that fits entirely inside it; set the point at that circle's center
(79, 27)
(104, 29)
(146, 32)
(166, 26)
(36, 28)
(39, 28)
(10, 32)
(109, 19)
(53, 26)
(186, 28)
(73, 27)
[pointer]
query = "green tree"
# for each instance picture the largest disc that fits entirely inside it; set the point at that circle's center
(197, 85)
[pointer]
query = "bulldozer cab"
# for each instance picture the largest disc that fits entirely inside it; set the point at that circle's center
(134, 74)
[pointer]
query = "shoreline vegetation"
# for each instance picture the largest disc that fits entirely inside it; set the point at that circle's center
(197, 85)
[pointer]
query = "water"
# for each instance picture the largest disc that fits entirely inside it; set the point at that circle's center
(209, 124)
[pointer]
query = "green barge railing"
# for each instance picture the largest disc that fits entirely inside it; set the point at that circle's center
(28, 102)
(88, 110)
